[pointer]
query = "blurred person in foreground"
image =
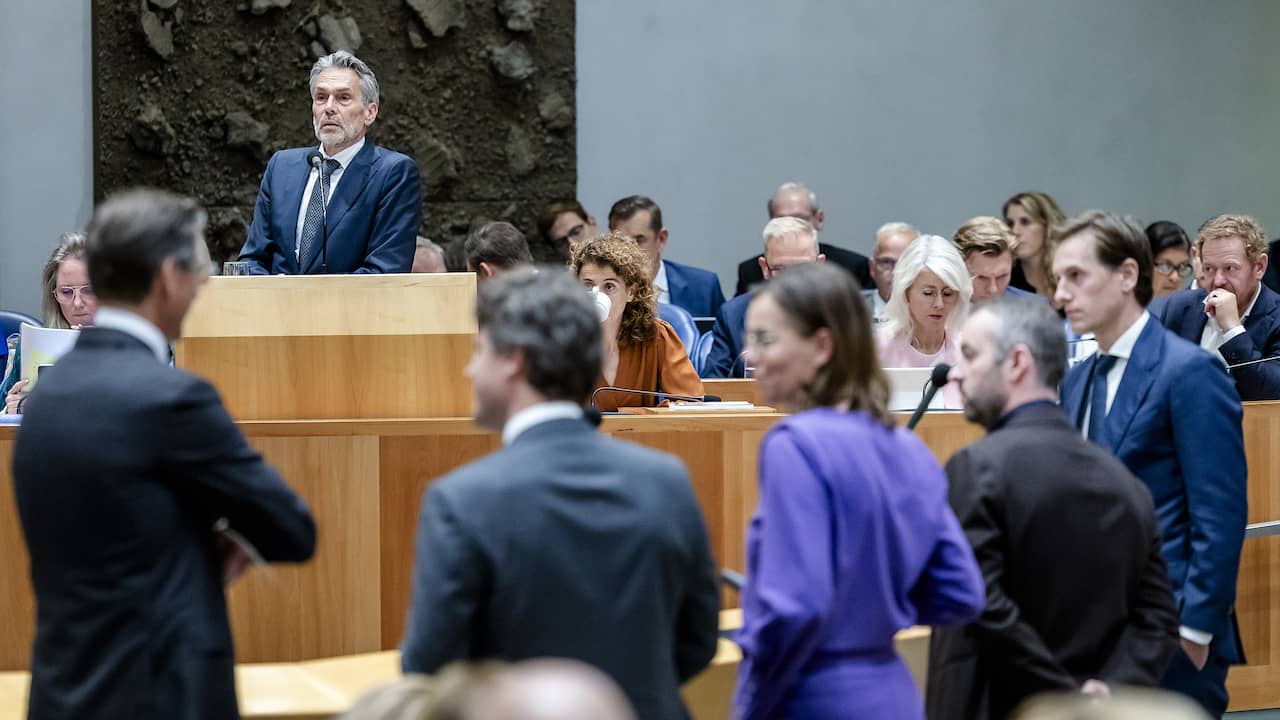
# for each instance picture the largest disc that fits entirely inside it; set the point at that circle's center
(565, 542)
(138, 496)
(852, 539)
(1078, 594)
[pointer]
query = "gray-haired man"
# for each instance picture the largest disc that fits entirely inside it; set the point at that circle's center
(348, 206)
(564, 543)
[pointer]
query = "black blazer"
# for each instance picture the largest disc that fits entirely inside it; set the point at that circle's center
(1183, 313)
(1077, 588)
(750, 274)
(568, 544)
(1271, 278)
(122, 465)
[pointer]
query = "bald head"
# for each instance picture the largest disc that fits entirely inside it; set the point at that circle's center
(552, 689)
(793, 199)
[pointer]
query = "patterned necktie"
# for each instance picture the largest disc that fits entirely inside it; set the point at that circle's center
(309, 241)
(1098, 398)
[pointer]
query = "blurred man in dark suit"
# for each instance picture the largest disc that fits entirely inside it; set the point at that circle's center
(792, 199)
(1078, 596)
(137, 492)
(1168, 411)
(495, 248)
(564, 543)
(1231, 314)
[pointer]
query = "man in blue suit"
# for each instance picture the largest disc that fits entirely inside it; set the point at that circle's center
(1232, 314)
(358, 210)
(694, 289)
(787, 241)
(1168, 410)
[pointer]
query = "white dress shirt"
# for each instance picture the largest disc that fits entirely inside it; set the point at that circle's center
(660, 284)
(136, 326)
(1213, 338)
(1122, 349)
(538, 414)
(344, 158)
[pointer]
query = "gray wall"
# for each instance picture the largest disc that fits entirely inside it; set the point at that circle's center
(924, 111)
(46, 174)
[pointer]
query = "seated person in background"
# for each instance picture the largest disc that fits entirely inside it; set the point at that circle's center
(641, 351)
(494, 248)
(787, 241)
(694, 289)
(68, 302)
(987, 247)
(1272, 278)
(891, 239)
(931, 291)
(565, 223)
(1171, 250)
(1233, 316)
(1032, 216)
(792, 199)
(428, 257)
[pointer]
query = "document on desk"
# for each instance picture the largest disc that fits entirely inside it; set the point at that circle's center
(43, 346)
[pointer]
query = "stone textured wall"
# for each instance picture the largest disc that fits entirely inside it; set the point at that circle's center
(195, 95)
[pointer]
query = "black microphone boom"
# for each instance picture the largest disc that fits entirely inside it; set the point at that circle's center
(316, 160)
(936, 380)
(651, 393)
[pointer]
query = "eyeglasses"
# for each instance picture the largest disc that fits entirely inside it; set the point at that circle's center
(67, 293)
(1168, 268)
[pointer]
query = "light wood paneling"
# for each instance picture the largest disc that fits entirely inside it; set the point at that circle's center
(17, 603)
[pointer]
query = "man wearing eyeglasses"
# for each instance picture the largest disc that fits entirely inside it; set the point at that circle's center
(1232, 314)
(891, 239)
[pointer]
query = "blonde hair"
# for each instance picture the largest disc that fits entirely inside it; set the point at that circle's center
(1242, 226)
(937, 255)
(617, 251)
(985, 235)
(1041, 208)
(70, 246)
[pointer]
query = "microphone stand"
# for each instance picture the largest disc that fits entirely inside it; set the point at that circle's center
(651, 393)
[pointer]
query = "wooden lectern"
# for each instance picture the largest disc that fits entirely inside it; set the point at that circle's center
(324, 347)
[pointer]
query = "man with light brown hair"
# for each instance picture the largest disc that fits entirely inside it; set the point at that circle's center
(988, 246)
(1231, 314)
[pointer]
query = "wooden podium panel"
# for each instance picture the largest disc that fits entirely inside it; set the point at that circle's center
(334, 346)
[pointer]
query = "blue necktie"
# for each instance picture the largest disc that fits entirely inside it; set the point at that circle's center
(1098, 398)
(309, 242)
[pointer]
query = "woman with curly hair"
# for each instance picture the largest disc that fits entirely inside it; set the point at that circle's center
(641, 351)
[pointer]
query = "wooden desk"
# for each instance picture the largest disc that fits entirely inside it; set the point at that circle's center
(364, 481)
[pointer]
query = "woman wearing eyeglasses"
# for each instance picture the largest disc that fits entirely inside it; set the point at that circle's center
(1171, 249)
(68, 302)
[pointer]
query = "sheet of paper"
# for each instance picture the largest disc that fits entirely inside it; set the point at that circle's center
(43, 346)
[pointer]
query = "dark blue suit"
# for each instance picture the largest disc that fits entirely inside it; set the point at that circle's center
(694, 289)
(726, 339)
(1183, 313)
(374, 214)
(1175, 422)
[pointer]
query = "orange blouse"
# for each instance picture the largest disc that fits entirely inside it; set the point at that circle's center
(660, 365)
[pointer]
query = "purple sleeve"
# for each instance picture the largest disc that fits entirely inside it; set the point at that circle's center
(951, 589)
(790, 585)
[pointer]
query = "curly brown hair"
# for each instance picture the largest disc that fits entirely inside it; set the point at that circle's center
(1241, 226)
(619, 252)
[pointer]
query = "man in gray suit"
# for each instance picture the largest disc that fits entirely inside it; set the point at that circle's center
(563, 543)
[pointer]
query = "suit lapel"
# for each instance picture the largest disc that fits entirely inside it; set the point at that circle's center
(1257, 330)
(1139, 374)
(1073, 390)
(352, 184)
(1191, 328)
(676, 284)
(295, 184)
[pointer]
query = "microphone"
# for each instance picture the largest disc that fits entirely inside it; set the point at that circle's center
(660, 395)
(936, 380)
(316, 160)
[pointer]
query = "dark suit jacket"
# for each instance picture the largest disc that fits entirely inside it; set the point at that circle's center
(1175, 423)
(1067, 541)
(1271, 278)
(568, 544)
(750, 275)
(694, 289)
(122, 465)
(726, 340)
(1183, 313)
(374, 214)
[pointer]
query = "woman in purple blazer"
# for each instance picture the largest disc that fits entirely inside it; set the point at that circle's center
(853, 538)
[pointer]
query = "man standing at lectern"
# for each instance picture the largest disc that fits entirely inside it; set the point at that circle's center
(347, 207)
(564, 543)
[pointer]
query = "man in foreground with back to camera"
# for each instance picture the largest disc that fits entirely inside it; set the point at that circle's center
(348, 207)
(1078, 595)
(131, 481)
(1169, 412)
(563, 543)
